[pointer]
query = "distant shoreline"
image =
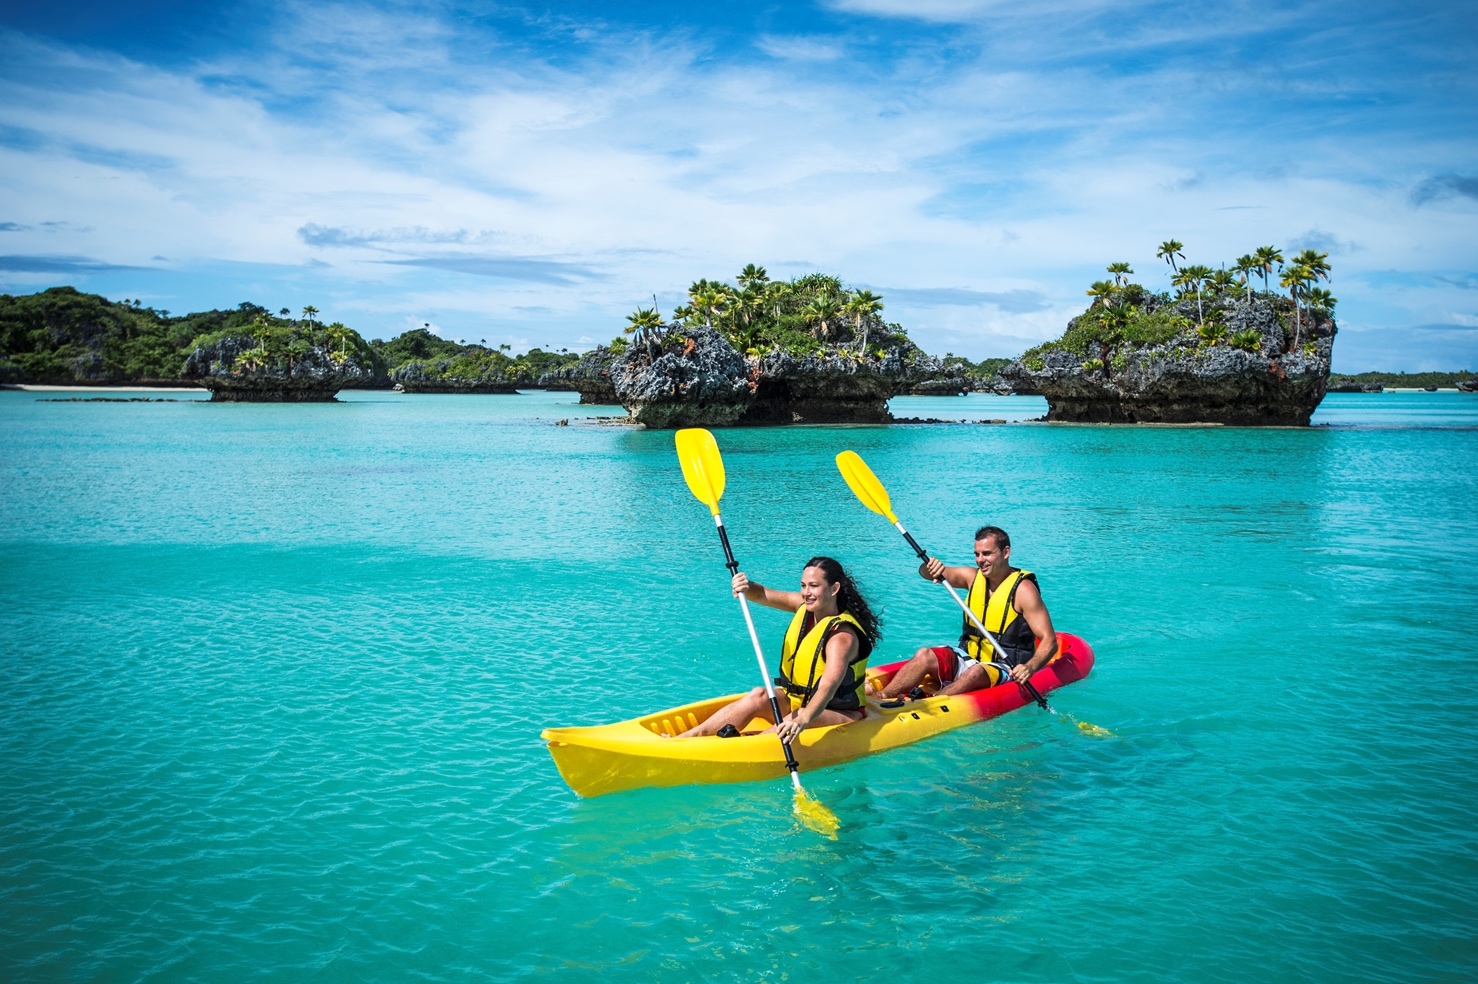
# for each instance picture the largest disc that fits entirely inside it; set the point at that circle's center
(114, 388)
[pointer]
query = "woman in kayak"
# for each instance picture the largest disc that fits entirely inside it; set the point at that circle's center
(823, 662)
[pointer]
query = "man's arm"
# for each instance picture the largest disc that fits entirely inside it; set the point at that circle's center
(1029, 603)
(934, 570)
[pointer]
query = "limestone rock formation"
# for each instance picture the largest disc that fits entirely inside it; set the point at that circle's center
(824, 388)
(590, 377)
(701, 383)
(277, 366)
(443, 376)
(1269, 378)
(695, 378)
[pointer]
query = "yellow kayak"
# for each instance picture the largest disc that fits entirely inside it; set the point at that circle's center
(609, 758)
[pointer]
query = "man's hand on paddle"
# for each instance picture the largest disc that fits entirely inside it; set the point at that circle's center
(935, 570)
(741, 584)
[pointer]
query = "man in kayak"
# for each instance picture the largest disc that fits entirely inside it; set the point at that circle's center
(823, 660)
(1007, 601)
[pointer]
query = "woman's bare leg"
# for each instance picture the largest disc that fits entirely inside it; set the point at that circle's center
(826, 717)
(754, 704)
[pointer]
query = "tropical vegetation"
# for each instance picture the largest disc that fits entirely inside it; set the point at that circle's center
(1401, 380)
(63, 335)
(276, 343)
(1123, 315)
(813, 313)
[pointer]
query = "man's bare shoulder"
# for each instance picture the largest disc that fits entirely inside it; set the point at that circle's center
(1027, 593)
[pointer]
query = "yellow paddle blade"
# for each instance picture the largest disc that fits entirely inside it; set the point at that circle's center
(814, 816)
(864, 484)
(703, 468)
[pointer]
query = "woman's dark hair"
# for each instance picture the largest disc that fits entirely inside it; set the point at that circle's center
(849, 599)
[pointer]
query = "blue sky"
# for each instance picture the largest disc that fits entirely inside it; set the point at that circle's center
(530, 173)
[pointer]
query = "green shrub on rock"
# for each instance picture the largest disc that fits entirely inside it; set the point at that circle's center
(1247, 339)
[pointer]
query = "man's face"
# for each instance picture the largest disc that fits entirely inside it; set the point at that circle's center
(988, 555)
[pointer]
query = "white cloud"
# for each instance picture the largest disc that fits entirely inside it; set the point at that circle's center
(811, 49)
(504, 193)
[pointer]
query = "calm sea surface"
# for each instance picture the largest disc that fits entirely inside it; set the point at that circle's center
(272, 681)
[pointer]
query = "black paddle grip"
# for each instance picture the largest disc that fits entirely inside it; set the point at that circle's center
(733, 564)
(1036, 695)
(790, 762)
(916, 548)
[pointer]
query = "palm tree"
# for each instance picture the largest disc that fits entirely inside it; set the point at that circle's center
(1296, 278)
(1267, 257)
(1168, 251)
(864, 306)
(1316, 263)
(1221, 281)
(1100, 291)
(821, 310)
(710, 303)
(1245, 265)
(1121, 272)
(642, 324)
(775, 294)
(1194, 277)
(753, 276)
(1321, 299)
(308, 312)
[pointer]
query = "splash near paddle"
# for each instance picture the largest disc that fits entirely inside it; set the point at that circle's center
(815, 816)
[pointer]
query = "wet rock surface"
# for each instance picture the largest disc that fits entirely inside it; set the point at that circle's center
(1186, 380)
(697, 379)
(825, 388)
(231, 368)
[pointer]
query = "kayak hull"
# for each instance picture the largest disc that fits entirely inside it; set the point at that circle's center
(633, 754)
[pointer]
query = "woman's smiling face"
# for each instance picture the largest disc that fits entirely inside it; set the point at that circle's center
(817, 593)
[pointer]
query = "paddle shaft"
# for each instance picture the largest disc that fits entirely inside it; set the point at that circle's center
(759, 652)
(924, 556)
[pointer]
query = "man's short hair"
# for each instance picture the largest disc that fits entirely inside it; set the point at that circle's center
(997, 534)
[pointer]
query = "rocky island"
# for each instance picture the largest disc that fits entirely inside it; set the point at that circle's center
(1218, 351)
(62, 336)
(276, 360)
(806, 350)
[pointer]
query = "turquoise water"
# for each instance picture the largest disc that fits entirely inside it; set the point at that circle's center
(274, 676)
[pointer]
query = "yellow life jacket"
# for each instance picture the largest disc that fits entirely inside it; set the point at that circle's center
(1000, 616)
(803, 660)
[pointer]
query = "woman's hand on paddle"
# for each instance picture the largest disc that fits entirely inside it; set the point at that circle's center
(933, 569)
(792, 726)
